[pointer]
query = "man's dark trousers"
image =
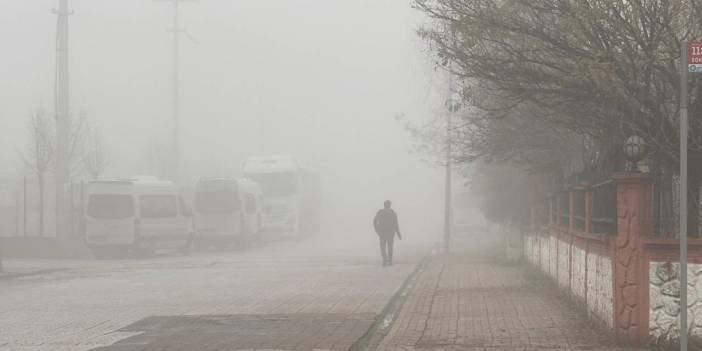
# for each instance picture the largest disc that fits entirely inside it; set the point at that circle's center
(386, 246)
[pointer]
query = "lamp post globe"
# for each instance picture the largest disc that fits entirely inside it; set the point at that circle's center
(634, 151)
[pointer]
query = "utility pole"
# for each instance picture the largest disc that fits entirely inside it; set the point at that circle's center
(63, 120)
(176, 30)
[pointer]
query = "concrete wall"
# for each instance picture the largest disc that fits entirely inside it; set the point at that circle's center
(563, 259)
(512, 240)
(628, 281)
(553, 257)
(582, 267)
(584, 270)
(600, 301)
(664, 301)
(579, 274)
(544, 256)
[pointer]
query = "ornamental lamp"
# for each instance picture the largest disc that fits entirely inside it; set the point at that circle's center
(634, 151)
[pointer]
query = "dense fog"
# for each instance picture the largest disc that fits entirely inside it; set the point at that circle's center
(343, 175)
(322, 81)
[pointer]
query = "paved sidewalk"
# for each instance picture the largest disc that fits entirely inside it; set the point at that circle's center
(264, 300)
(464, 302)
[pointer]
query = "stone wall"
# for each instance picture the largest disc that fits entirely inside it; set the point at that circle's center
(553, 256)
(664, 301)
(563, 259)
(627, 281)
(579, 274)
(601, 304)
(582, 269)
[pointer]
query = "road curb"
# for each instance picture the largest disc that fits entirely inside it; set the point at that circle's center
(386, 318)
(8, 275)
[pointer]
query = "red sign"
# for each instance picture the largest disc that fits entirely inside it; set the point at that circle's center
(694, 57)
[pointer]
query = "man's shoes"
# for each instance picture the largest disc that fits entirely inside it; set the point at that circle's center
(385, 263)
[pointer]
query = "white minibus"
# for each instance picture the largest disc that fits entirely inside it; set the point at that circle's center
(141, 214)
(227, 211)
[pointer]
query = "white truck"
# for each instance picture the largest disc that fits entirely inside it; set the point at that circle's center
(227, 211)
(290, 193)
(138, 214)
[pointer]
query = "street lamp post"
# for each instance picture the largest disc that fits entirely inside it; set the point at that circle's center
(447, 187)
(683, 193)
(452, 106)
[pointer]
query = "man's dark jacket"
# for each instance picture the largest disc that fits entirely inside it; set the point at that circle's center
(385, 223)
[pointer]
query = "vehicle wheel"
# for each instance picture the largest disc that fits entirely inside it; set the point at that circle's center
(187, 249)
(229, 245)
(147, 251)
(120, 253)
(261, 237)
(200, 244)
(245, 242)
(100, 254)
(257, 239)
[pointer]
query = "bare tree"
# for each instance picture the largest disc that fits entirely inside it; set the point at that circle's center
(39, 156)
(79, 134)
(589, 67)
(600, 70)
(95, 156)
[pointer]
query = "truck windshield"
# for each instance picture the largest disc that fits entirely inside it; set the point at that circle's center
(110, 206)
(276, 184)
(213, 201)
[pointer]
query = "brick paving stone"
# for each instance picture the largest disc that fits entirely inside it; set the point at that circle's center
(89, 305)
(247, 332)
(464, 301)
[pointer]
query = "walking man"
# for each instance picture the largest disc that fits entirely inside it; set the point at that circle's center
(386, 226)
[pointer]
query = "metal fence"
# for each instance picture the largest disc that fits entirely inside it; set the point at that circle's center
(604, 208)
(564, 206)
(22, 212)
(579, 209)
(666, 203)
(666, 206)
(9, 208)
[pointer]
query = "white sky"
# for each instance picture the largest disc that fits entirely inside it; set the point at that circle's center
(318, 79)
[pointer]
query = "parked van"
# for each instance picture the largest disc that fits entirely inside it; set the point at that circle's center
(139, 214)
(227, 211)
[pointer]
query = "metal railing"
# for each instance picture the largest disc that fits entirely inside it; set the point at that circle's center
(564, 208)
(604, 208)
(579, 215)
(666, 205)
(23, 213)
